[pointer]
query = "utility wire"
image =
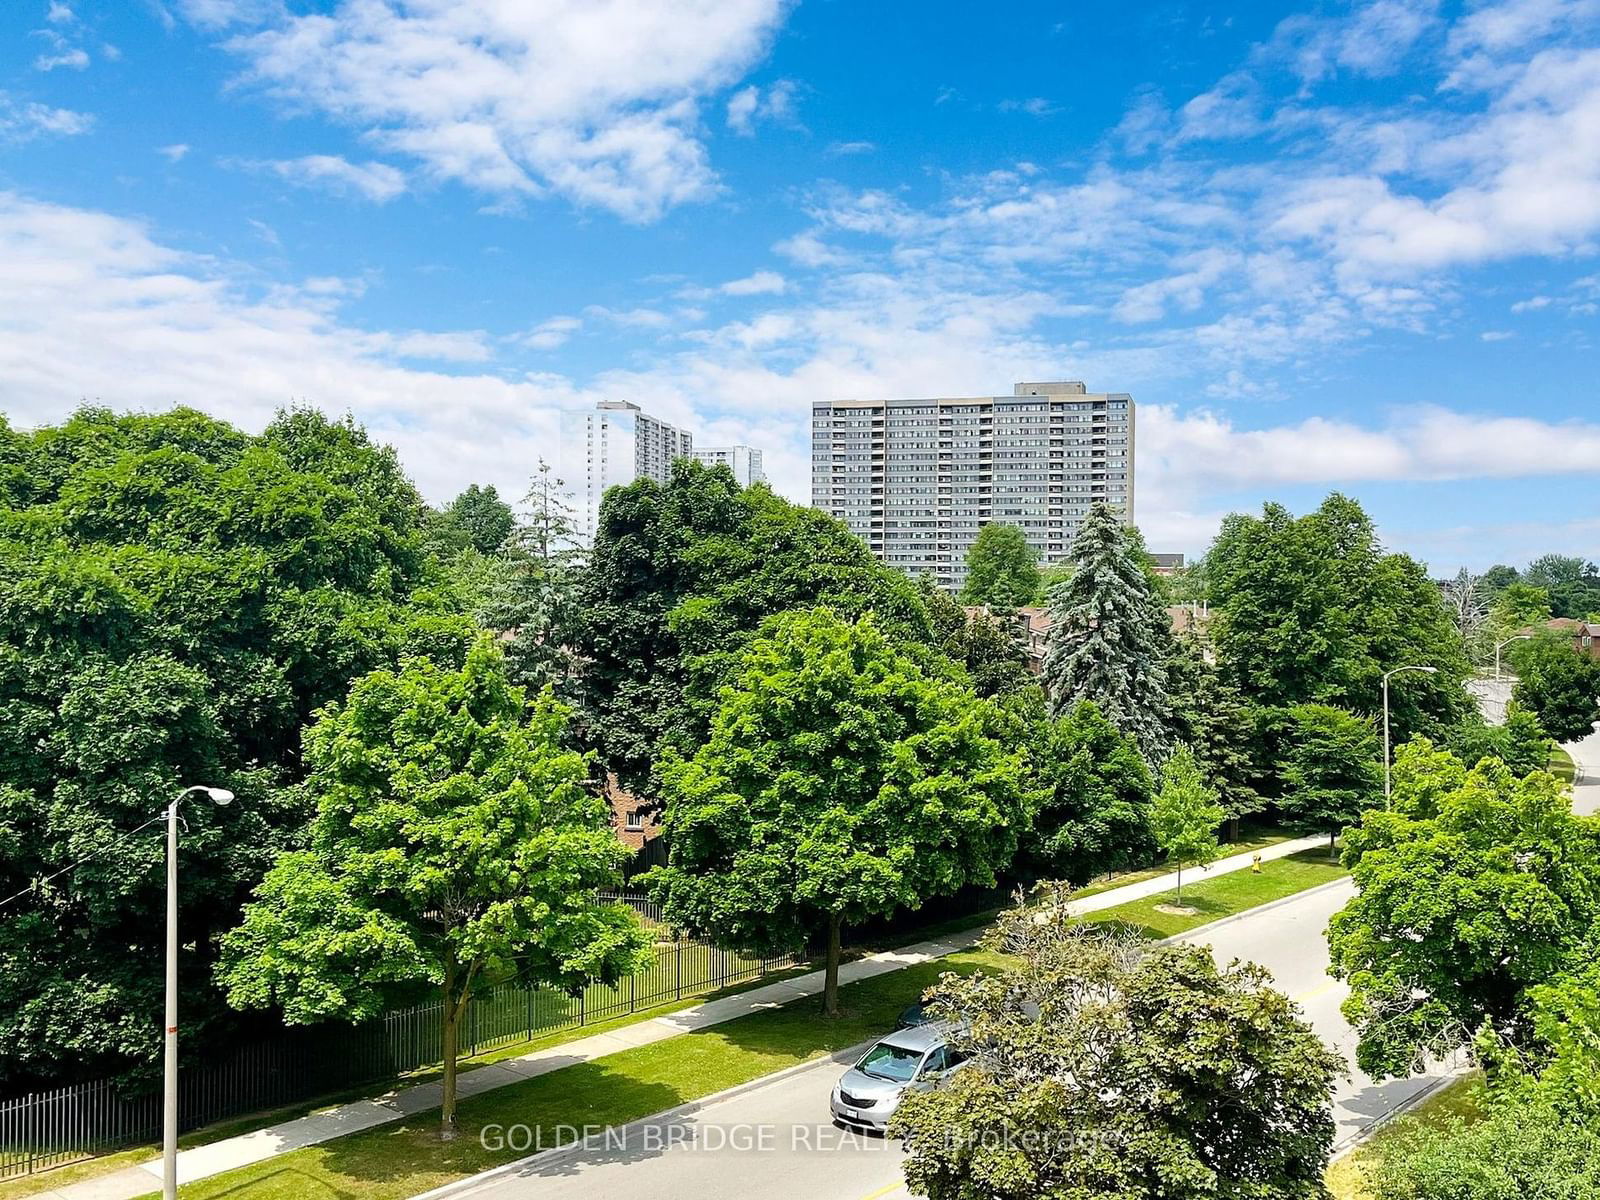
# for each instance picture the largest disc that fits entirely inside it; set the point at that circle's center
(38, 883)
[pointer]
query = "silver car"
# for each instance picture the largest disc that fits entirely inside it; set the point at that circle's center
(917, 1059)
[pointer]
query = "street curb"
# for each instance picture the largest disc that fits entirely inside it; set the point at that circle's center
(462, 1187)
(1353, 1141)
(1256, 911)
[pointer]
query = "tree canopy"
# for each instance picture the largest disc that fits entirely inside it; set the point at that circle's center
(177, 599)
(1559, 684)
(1186, 815)
(454, 844)
(1100, 1068)
(1311, 610)
(477, 519)
(1476, 887)
(680, 577)
(1334, 769)
(1002, 569)
(840, 780)
(1092, 799)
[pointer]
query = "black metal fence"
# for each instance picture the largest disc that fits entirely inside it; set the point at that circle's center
(52, 1128)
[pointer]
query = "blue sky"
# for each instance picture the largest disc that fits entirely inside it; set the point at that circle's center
(1347, 246)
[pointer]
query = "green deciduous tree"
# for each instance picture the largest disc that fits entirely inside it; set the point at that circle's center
(1109, 637)
(1098, 1068)
(1572, 583)
(1002, 569)
(1476, 887)
(177, 598)
(1559, 684)
(1521, 743)
(1518, 606)
(680, 577)
(477, 519)
(454, 843)
(1311, 610)
(1186, 815)
(988, 646)
(840, 781)
(1333, 772)
(1091, 808)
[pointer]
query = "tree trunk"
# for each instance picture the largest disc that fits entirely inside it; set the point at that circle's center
(451, 1039)
(1233, 829)
(1332, 833)
(830, 977)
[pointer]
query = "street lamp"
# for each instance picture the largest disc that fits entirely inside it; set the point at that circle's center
(1515, 637)
(1386, 674)
(169, 1116)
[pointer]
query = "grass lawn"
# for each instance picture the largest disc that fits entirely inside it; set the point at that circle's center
(402, 1159)
(1561, 764)
(1213, 899)
(1463, 1098)
(1252, 839)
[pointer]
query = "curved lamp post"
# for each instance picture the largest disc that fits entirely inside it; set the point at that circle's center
(1386, 674)
(1515, 637)
(169, 1116)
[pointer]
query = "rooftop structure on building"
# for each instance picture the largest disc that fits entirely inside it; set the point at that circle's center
(917, 479)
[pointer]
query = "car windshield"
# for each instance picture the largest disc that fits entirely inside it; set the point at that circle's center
(895, 1063)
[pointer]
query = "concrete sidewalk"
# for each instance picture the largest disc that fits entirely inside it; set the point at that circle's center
(201, 1162)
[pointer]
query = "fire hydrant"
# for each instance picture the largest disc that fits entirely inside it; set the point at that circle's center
(1255, 862)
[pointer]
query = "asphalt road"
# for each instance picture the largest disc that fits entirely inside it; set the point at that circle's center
(775, 1142)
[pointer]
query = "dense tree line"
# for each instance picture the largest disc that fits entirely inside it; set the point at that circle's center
(178, 598)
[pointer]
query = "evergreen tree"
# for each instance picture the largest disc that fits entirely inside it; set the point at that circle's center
(1002, 569)
(1109, 640)
(533, 596)
(548, 534)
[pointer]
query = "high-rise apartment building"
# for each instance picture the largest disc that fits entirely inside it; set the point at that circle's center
(744, 462)
(917, 479)
(614, 443)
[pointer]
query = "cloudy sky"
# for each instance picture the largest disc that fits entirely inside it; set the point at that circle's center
(1347, 246)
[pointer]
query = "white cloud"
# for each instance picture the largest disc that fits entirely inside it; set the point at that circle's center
(843, 149)
(74, 58)
(549, 334)
(1531, 304)
(375, 181)
(92, 306)
(742, 106)
(59, 14)
(762, 283)
(1034, 106)
(597, 100)
(634, 318)
(24, 120)
(1496, 335)
(750, 105)
(173, 153)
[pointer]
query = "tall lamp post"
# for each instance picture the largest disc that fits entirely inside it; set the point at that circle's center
(1515, 637)
(1386, 674)
(169, 1116)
